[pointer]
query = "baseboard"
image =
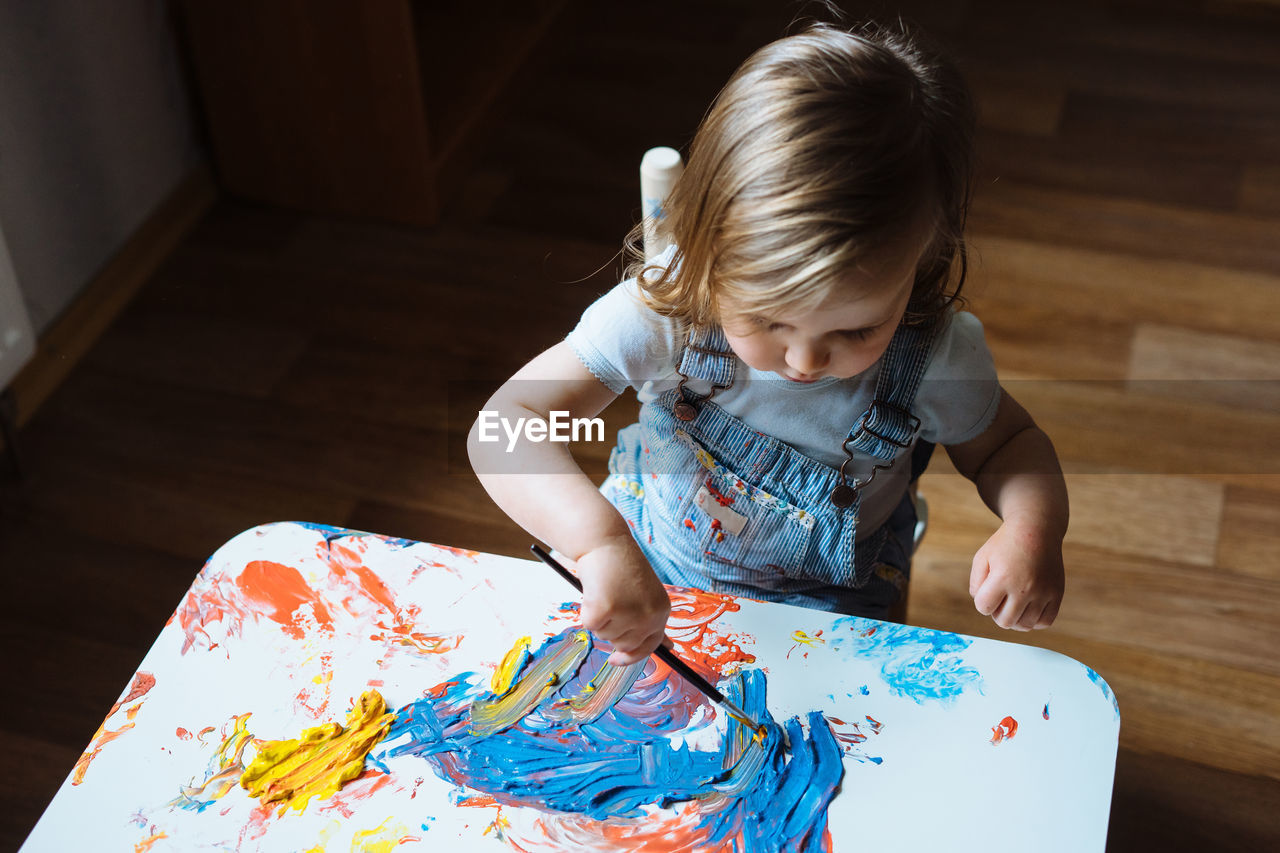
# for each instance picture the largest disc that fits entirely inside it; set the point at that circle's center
(64, 343)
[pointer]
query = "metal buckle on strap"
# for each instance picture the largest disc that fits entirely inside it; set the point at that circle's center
(684, 408)
(842, 496)
(902, 414)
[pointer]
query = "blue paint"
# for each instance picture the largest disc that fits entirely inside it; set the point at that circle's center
(919, 664)
(1105, 688)
(750, 795)
(331, 533)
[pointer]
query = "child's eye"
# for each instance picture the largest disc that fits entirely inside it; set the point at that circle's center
(857, 334)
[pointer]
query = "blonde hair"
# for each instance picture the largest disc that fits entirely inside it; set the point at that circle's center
(823, 148)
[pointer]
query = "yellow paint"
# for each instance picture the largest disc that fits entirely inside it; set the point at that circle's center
(491, 715)
(321, 760)
(229, 765)
(383, 838)
(325, 836)
(804, 639)
(512, 662)
(499, 826)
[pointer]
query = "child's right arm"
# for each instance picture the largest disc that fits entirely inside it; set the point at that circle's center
(541, 487)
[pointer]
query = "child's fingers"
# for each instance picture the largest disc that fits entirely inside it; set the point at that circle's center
(978, 574)
(1049, 613)
(626, 652)
(988, 598)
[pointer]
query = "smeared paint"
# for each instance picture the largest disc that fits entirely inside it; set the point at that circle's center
(696, 637)
(147, 843)
(1105, 688)
(916, 663)
(1004, 730)
(321, 760)
(1045, 712)
(338, 594)
(224, 770)
(541, 678)
(131, 702)
(512, 662)
(616, 768)
(383, 838)
(597, 695)
(803, 639)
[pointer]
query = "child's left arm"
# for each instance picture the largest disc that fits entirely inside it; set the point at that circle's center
(1017, 576)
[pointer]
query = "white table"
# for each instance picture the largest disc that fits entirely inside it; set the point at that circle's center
(946, 742)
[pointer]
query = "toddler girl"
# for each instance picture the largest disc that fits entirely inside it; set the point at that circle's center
(799, 353)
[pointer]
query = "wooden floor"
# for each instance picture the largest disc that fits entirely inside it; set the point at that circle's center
(1127, 230)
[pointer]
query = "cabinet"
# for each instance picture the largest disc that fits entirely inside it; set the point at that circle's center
(356, 107)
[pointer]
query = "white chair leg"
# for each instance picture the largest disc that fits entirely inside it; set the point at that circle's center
(922, 521)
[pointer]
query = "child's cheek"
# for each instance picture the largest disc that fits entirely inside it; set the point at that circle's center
(753, 350)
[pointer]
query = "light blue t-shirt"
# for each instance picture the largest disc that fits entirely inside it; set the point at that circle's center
(627, 345)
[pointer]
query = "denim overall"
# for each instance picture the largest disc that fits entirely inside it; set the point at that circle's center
(716, 505)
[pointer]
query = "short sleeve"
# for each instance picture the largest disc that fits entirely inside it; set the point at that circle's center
(624, 343)
(960, 391)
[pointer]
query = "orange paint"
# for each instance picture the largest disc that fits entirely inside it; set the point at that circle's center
(145, 844)
(344, 560)
(182, 733)
(478, 801)
(142, 684)
(282, 589)
(360, 788)
(459, 552)
(678, 833)
(695, 638)
(1004, 730)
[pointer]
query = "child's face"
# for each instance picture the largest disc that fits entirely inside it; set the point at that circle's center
(840, 338)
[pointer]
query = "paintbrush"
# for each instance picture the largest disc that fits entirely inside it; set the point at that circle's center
(665, 654)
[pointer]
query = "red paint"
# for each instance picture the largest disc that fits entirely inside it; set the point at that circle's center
(688, 522)
(721, 498)
(182, 733)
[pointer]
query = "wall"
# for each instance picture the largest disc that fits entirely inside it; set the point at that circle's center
(95, 131)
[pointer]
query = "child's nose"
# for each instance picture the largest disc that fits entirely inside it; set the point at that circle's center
(807, 358)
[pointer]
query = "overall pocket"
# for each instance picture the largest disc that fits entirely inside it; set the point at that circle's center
(742, 532)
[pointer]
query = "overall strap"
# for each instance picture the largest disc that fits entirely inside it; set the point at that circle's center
(707, 357)
(888, 426)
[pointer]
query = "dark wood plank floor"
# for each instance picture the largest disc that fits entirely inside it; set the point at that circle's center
(1127, 231)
